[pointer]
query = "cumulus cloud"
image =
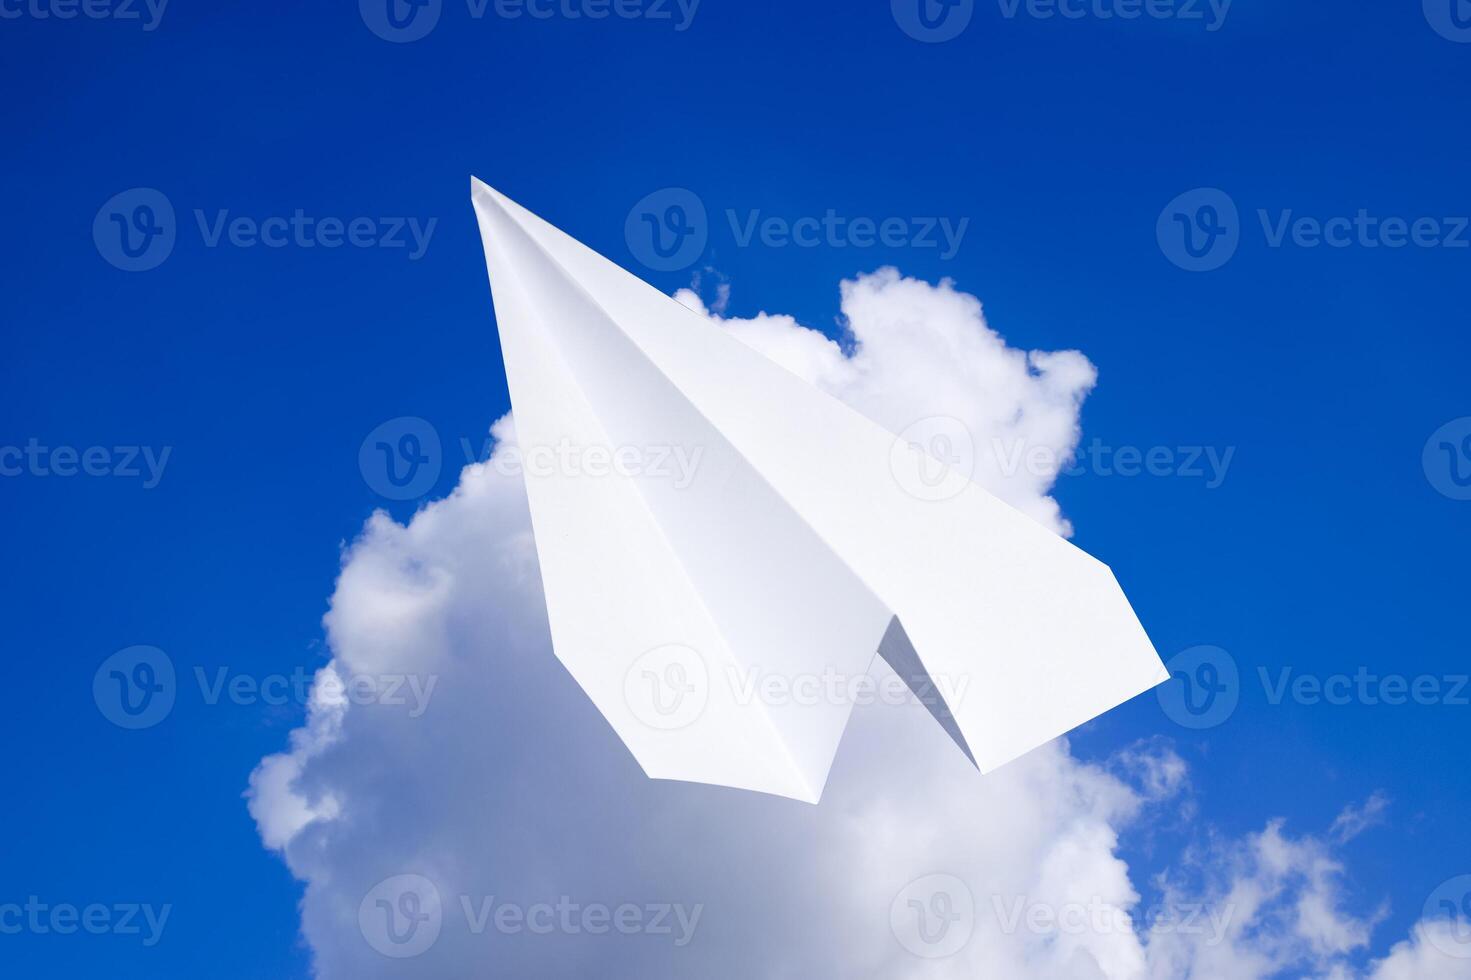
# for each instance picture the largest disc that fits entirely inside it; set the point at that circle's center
(504, 830)
(1279, 905)
(1439, 949)
(920, 351)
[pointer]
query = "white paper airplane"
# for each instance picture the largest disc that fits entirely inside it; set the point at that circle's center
(718, 621)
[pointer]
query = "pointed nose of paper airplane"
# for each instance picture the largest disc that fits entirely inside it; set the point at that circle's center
(479, 189)
(490, 204)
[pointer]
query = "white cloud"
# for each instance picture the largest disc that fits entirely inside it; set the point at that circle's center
(1277, 908)
(518, 806)
(1423, 956)
(921, 350)
(1354, 820)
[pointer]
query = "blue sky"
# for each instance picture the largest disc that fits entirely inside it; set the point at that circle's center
(1326, 547)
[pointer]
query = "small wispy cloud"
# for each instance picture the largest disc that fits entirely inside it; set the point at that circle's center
(1354, 820)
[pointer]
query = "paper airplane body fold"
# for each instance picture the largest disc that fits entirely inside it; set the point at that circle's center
(720, 618)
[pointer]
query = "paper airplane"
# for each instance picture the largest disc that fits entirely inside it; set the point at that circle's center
(718, 622)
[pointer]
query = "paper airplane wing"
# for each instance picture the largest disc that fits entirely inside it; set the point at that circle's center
(724, 548)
